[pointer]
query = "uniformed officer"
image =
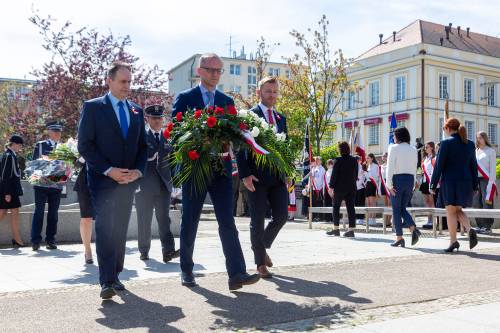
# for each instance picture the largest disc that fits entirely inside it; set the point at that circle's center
(43, 195)
(155, 189)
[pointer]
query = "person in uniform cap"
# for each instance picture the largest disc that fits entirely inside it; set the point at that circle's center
(155, 189)
(43, 195)
(10, 186)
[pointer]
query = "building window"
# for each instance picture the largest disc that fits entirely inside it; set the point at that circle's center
(401, 123)
(374, 93)
(236, 89)
(471, 130)
(400, 88)
(490, 95)
(468, 98)
(274, 71)
(347, 133)
(373, 134)
(492, 133)
(288, 74)
(235, 69)
(350, 100)
(251, 89)
(443, 86)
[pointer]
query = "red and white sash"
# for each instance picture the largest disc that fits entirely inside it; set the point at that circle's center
(426, 172)
(374, 182)
(382, 182)
(491, 188)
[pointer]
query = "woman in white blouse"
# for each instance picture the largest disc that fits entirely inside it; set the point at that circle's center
(486, 165)
(428, 162)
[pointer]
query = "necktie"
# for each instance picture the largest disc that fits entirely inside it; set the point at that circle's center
(210, 96)
(270, 116)
(157, 137)
(123, 119)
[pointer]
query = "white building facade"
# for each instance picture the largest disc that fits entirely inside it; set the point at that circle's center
(411, 73)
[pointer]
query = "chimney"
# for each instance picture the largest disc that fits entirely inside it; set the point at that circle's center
(450, 24)
(394, 36)
(447, 29)
(458, 30)
(468, 29)
(380, 36)
(441, 41)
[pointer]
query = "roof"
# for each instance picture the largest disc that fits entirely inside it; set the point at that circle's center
(423, 32)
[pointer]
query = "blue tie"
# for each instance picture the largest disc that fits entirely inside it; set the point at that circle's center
(123, 119)
(210, 98)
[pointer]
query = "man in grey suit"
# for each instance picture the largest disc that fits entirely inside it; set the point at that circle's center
(155, 189)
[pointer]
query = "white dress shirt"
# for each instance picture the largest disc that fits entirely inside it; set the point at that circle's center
(318, 173)
(488, 159)
(402, 159)
(266, 113)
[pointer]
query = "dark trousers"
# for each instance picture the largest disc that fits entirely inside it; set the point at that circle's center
(480, 202)
(360, 202)
(112, 209)
(145, 203)
(317, 201)
(349, 198)
(262, 238)
(221, 193)
(52, 197)
(403, 184)
(328, 202)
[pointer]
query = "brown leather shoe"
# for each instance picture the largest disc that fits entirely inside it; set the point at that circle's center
(268, 261)
(263, 272)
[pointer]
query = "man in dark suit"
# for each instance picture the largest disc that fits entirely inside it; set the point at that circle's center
(343, 188)
(155, 189)
(111, 138)
(263, 185)
(209, 69)
(51, 196)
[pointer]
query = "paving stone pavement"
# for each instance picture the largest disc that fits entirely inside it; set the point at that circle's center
(321, 283)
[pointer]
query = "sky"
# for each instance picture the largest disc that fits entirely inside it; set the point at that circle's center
(167, 32)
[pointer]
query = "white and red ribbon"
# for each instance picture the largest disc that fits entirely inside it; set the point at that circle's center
(382, 181)
(249, 139)
(491, 188)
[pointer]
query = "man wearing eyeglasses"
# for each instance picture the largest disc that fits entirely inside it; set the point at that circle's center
(209, 69)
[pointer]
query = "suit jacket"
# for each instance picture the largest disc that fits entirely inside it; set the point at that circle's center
(192, 99)
(10, 175)
(43, 147)
(246, 163)
(344, 174)
(158, 174)
(101, 143)
(455, 161)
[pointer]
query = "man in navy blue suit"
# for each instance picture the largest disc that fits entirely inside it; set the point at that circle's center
(111, 138)
(205, 94)
(264, 186)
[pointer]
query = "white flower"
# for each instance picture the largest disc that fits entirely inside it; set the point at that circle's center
(275, 130)
(242, 113)
(264, 124)
(280, 136)
(255, 132)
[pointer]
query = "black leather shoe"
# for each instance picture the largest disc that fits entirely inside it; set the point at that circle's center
(118, 285)
(51, 246)
(107, 291)
(144, 256)
(472, 238)
(400, 242)
(349, 234)
(415, 236)
(243, 280)
(333, 232)
(167, 257)
(35, 246)
(187, 280)
(455, 245)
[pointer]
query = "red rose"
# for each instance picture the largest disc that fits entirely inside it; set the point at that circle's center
(210, 109)
(197, 114)
(193, 155)
(211, 121)
(178, 116)
(219, 110)
(166, 134)
(170, 126)
(232, 110)
(243, 126)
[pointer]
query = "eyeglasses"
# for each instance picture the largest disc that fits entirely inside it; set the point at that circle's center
(214, 70)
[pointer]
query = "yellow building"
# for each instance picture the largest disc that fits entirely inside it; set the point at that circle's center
(412, 72)
(240, 74)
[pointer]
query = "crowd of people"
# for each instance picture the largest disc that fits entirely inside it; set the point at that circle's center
(123, 158)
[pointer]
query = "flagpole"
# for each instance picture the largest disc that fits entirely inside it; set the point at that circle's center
(310, 172)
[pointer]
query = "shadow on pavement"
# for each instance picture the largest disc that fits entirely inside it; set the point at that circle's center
(137, 312)
(56, 253)
(90, 275)
(251, 310)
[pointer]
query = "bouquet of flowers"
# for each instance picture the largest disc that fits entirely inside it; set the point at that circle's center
(67, 152)
(202, 139)
(48, 173)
